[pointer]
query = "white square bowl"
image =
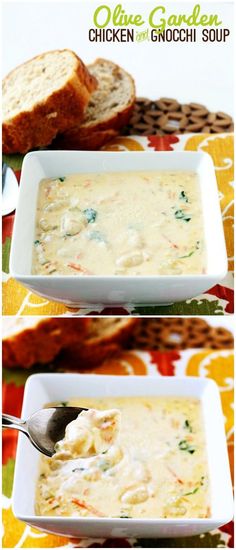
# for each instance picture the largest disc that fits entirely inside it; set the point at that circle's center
(43, 388)
(88, 290)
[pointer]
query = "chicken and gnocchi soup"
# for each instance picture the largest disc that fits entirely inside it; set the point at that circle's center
(91, 433)
(144, 459)
(123, 223)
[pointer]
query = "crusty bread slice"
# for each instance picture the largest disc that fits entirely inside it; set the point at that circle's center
(82, 342)
(85, 143)
(109, 108)
(31, 340)
(46, 95)
(104, 338)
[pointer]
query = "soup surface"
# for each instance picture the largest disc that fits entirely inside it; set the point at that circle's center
(155, 467)
(123, 223)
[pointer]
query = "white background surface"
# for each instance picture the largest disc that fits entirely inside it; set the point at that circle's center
(200, 72)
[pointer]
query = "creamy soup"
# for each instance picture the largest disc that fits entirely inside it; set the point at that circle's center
(91, 433)
(123, 223)
(156, 466)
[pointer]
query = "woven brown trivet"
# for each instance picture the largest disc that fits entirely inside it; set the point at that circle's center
(178, 333)
(168, 116)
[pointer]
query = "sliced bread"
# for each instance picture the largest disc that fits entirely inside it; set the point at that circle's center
(109, 108)
(104, 338)
(31, 340)
(90, 142)
(46, 95)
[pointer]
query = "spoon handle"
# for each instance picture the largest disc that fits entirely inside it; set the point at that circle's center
(9, 421)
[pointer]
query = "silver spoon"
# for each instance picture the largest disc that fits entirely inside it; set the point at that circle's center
(45, 427)
(10, 190)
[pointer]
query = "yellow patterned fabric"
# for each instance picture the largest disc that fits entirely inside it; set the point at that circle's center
(221, 149)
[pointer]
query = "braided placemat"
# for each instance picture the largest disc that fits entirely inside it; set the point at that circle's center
(168, 116)
(178, 333)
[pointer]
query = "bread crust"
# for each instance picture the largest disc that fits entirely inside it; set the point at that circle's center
(121, 118)
(95, 350)
(87, 143)
(87, 133)
(61, 110)
(41, 342)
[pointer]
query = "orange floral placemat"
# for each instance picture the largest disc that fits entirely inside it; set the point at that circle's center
(17, 300)
(217, 364)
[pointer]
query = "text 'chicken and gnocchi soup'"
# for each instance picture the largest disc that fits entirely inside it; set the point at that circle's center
(144, 459)
(123, 223)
